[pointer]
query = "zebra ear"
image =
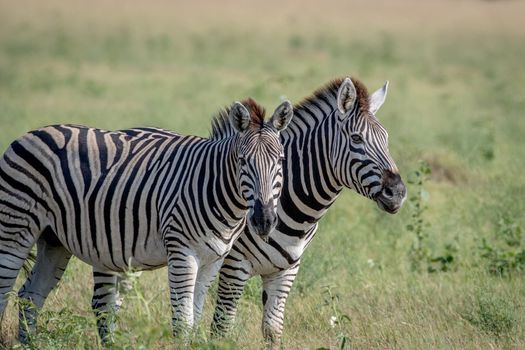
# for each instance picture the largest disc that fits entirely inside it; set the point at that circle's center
(239, 117)
(377, 99)
(346, 96)
(282, 116)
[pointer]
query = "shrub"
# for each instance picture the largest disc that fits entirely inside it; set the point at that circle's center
(339, 321)
(504, 254)
(420, 255)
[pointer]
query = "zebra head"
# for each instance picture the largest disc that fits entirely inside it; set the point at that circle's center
(259, 160)
(361, 154)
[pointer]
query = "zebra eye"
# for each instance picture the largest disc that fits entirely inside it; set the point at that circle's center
(242, 161)
(357, 138)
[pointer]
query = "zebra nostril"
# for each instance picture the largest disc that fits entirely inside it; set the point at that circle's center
(388, 192)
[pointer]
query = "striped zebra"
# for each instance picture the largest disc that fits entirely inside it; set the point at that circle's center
(333, 142)
(136, 199)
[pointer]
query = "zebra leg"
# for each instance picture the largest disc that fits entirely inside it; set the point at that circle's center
(276, 288)
(16, 242)
(182, 274)
(51, 262)
(233, 277)
(105, 302)
(205, 278)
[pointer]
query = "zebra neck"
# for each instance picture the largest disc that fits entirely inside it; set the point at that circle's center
(210, 188)
(225, 198)
(311, 186)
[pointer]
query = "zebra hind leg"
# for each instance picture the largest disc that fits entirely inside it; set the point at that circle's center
(51, 262)
(106, 302)
(16, 241)
(276, 288)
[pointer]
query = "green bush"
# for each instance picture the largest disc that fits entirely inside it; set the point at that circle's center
(504, 254)
(420, 254)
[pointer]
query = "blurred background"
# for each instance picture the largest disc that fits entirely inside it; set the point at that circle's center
(446, 272)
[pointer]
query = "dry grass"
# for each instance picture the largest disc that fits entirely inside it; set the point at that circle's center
(404, 16)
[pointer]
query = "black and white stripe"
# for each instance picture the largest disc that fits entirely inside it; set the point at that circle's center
(136, 199)
(334, 141)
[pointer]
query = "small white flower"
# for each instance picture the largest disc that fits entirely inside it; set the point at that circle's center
(333, 321)
(371, 263)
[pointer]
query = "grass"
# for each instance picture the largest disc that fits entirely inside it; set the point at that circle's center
(456, 101)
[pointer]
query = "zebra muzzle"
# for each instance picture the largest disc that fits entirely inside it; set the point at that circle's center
(262, 219)
(393, 193)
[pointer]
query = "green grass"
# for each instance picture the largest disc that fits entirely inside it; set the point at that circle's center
(456, 101)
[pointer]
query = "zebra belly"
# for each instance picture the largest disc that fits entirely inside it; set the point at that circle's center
(114, 259)
(109, 244)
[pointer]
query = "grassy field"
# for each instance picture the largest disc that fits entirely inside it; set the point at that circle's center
(446, 272)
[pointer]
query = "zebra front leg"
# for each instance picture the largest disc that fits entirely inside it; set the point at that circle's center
(205, 278)
(276, 288)
(182, 274)
(51, 262)
(233, 277)
(106, 302)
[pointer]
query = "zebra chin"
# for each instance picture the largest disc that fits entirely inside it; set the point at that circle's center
(389, 208)
(262, 231)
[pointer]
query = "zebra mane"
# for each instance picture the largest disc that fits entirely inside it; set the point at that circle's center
(330, 91)
(221, 127)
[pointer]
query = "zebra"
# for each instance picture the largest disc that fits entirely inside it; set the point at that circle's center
(136, 199)
(334, 141)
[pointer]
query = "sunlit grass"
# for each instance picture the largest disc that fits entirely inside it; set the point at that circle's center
(455, 101)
